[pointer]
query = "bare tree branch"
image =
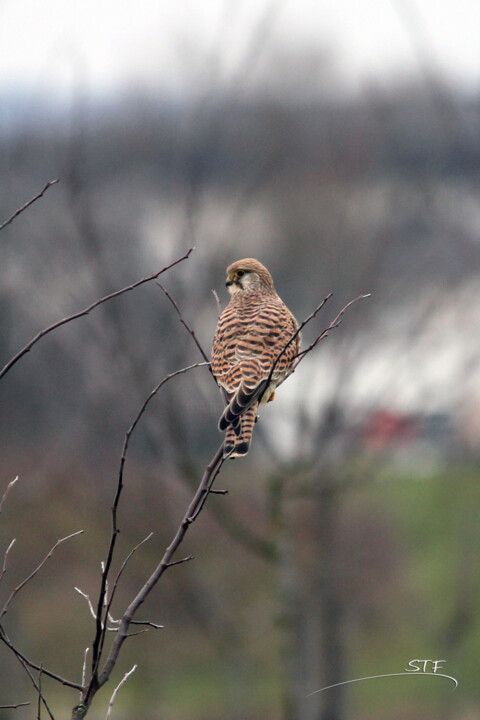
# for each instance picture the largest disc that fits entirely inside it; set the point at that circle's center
(101, 627)
(14, 707)
(179, 562)
(5, 558)
(89, 602)
(86, 311)
(27, 204)
(24, 661)
(16, 590)
(114, 694)
(165, 563)
(108, 600)
(219, 304)
(40, 695)
(29, 664)
(192, 333)
(84, 669)
(334, 324)
(120, 572)
(187, 327)
(4, 496)
(148, 623)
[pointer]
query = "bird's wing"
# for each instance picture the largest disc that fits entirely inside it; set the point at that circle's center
(247, 343)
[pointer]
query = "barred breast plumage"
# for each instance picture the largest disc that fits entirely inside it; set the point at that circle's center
(253, 330)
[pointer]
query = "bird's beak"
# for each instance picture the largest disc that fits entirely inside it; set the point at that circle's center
(229, 281)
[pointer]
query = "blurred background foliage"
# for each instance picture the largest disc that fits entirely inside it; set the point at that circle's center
(348, 542)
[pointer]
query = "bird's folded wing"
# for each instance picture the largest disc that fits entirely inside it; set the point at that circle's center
(243, 399)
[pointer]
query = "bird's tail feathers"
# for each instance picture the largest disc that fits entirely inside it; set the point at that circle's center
(241, 402)
(236, 443)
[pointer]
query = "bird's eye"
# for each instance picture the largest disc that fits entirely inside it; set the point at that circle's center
(240, 273)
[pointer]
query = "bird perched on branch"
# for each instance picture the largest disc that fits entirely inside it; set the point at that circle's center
(253, 350)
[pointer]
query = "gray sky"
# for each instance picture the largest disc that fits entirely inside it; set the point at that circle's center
(171, 44)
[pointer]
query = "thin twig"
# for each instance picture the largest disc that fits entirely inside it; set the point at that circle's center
(4, 496)
(40, 695)
(219, 304)
(84, 668)
(149, 623)
(86, 311)
(184, 323)
(122, 682)
(139, 632)
(16, 590)
(192, 334)
(119, 574)
(27, 204)
(14, 707)
(87, 598)
(179, 562)
(5, 558)
(334, 324)
(29, 664)
(299, 357)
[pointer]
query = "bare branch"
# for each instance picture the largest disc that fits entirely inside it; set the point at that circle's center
(192, 333)
(205, 492)
(27, 204)
(127, 618)
(334, 324)
(185, 325)
(89, 602)
(40, 695)
(86, 311)
(150, 624)
(179, 562)
(291, 340)
(4, 496)
(84, 669)
(122, 682)
(101, 627)
(16, 590)
(14, 707)
(120, 572)
(219, 304)
(26, 663)
(5, 558)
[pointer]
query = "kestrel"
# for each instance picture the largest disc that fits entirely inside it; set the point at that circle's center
(254, 328)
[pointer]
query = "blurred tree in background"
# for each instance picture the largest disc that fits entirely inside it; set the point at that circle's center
(348, 542)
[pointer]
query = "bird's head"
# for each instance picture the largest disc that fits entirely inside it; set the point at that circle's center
(248, 275)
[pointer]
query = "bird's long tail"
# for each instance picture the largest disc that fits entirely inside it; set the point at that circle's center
(237, 439)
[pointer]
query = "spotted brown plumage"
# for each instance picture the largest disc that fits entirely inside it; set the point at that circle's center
(252, 331)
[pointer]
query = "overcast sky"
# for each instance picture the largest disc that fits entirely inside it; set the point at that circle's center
(165, 44)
